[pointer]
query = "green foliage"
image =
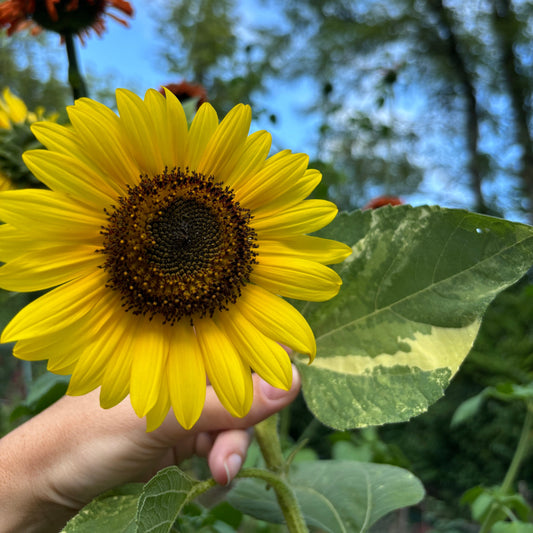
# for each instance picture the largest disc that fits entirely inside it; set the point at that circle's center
(504, 348)
(496, 505)
(43, 392)
(413, 296)
(209, 49)
(112, 511)
(30, 72)
(335, 496)
(163, 499)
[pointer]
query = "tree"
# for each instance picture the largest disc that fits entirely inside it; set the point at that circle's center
(206, 48)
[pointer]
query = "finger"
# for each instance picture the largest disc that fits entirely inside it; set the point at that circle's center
(267, 401)
(228, 454)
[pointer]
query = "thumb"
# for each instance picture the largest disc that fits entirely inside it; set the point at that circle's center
(267, 400)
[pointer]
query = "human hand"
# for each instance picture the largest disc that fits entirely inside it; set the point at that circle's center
(58, 461)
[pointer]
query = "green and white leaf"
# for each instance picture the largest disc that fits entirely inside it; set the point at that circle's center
(334, 496)
(414, 292)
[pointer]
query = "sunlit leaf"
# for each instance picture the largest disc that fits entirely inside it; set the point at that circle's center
(414, 291)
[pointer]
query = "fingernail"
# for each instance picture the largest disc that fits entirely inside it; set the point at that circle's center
(232, 465)
(270, 392)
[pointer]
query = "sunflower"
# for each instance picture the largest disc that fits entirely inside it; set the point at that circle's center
(168, 250)
(61, 16)
(13, 110)
(5, 183)
(15, 137)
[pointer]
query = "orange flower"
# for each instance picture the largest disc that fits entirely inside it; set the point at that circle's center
(381, 201)
(61, 16)
(185, 91)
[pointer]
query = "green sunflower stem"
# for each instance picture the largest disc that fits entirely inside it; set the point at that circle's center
(75, 79)
(266, 434)
(522, 449)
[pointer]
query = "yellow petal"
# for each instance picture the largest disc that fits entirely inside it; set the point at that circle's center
(57, 308)
(323, 251)
(17, 108)
(98, 352)
(59, 347)
(305, 217)
(277, 174)
(149, 360)
(14, 242)
(158, 413)
(297, 278)
(57, 137)
(5, 121)
(296, 192)
(186, 375)
(250, 161)
(229, 376)
(228, 139)
(103, 143)
(265, 356)
(47, 268)
(69, 175)
(139, 127)
(174, 127)
(277, 319)
(116, 379)
(64, 347)
(203, 126)
(52, 213)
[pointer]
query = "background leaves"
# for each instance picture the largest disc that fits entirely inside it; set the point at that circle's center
(335, 496)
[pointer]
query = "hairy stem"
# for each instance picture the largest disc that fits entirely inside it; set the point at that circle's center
(267, 436)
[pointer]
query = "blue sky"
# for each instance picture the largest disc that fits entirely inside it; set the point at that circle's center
(130, 57)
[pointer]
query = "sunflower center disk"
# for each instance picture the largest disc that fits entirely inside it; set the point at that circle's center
(67, 16)
(178, 245)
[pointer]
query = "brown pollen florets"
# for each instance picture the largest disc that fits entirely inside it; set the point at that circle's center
(178, 245)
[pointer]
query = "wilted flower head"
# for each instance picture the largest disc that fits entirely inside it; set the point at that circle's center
(186, 91)
(61, 16)
(381, 201)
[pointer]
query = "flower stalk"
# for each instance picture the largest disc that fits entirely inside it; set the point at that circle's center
(75, 79)
(521, 451)
(266, 433)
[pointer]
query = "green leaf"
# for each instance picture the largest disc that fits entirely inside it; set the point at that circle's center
(503, 391)
(513, 391)
(413, 295)
(334, 496)
(468, 409)
(512, 527)
(162, 500)
(44, 391)
(112, 511)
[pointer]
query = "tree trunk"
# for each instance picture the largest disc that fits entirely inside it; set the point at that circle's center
(466, 85)
(519, 91)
